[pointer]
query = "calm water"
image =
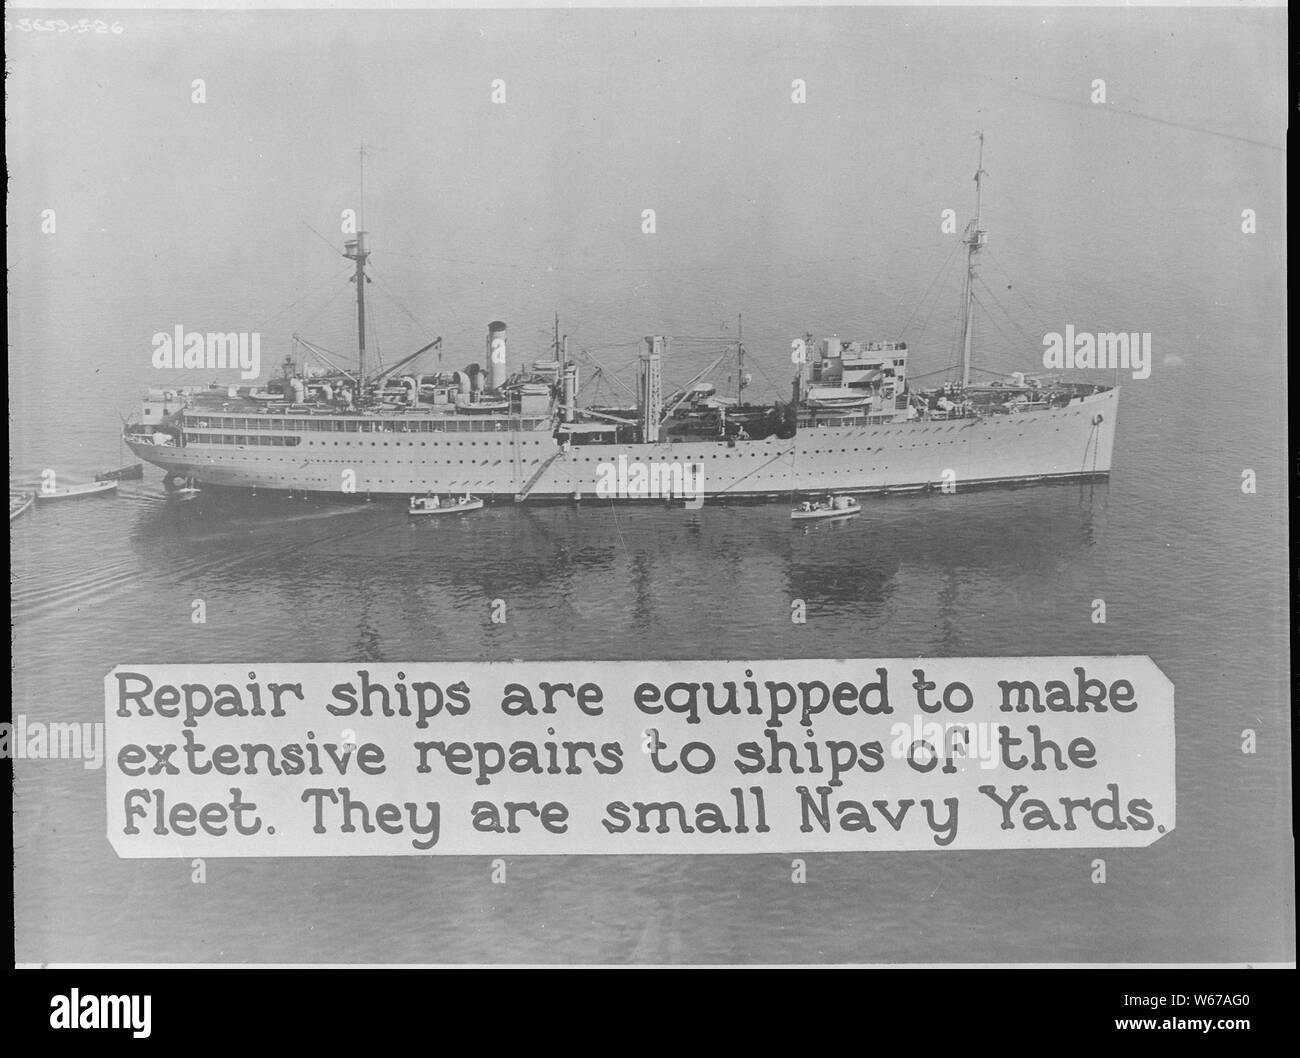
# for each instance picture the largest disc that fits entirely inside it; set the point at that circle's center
(824, 217)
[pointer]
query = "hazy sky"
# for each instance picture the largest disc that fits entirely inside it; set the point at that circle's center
(821, 215)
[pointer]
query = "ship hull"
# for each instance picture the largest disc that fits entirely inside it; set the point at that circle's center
(1057, 444)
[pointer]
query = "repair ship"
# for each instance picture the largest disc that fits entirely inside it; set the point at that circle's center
(853, 424)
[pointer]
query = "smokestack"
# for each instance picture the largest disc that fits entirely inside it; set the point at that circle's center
(569, 391)
(496, 354)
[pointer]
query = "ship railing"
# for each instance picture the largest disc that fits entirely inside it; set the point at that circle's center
(947, 415)
(322, 424)
(877, 419)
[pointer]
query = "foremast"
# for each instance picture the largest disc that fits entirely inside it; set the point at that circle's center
(974, 240)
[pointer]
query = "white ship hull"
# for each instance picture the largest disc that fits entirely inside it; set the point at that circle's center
(1051, 444)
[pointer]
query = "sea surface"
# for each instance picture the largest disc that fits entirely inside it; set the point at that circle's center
(771, 216)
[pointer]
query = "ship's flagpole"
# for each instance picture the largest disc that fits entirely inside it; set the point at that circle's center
(974, 243)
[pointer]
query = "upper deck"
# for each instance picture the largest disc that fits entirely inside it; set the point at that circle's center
(395, 421)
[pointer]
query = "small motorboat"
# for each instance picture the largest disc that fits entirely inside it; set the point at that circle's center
(135, 472)
(19, 502)
(833, 507)
(188, 491)
(75, 492)
(451, 505)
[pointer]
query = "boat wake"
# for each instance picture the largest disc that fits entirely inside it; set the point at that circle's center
(46, 597)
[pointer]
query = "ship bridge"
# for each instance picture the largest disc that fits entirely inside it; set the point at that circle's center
(864, 381)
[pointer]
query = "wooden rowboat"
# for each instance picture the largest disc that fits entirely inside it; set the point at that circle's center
(74, 492)
(19, 502)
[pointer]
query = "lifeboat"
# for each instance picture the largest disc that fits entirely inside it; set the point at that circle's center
(837, 398)
(833, 507)
(451, 505)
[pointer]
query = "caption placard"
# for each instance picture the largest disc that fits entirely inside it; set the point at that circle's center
(617, 757)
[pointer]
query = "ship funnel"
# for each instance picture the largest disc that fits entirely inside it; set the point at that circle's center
(496, 354)
(569, 392)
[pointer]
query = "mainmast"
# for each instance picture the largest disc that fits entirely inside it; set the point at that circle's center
(740, 358)
(355, 250)
(974, 243)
